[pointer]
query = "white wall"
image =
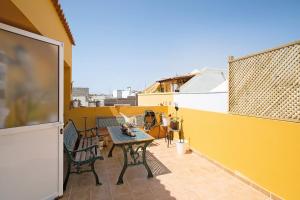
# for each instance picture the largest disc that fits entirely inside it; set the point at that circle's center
(214, 102)
(125, 93)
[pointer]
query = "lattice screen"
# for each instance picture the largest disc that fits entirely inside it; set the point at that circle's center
(267, 84)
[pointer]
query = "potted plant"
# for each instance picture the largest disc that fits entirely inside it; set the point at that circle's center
(180, 145)
(76, 103)
(98, 103)
(174, 123)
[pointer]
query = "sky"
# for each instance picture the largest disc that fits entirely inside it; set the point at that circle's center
(122, 43)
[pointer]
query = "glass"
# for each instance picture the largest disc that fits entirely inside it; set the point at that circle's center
(28, 81)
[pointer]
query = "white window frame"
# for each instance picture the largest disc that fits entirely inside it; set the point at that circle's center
(60, 45)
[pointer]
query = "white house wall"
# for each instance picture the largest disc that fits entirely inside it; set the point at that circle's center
(214, 102)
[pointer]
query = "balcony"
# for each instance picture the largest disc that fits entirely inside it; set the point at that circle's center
(248, 148)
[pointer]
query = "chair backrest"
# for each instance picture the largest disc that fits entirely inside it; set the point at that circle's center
(140, 120)
(149, 119)
(70, 136)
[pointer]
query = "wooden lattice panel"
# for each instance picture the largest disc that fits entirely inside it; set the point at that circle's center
(267, 84)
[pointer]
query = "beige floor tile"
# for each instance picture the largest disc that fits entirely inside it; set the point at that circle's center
(126, 196)
(80, 193)
(100, 192)
(186, 177)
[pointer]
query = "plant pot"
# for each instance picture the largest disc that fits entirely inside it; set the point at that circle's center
(98, 103)
(174, 125)
(180, 147)
(92, 104)
(75, 103)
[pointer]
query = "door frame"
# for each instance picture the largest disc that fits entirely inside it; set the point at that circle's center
(59, 124)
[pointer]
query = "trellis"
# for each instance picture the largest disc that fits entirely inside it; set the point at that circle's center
(266, 84)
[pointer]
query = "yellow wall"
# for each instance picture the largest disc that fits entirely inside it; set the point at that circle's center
(43, 16)
(155, 99)
(77, 113)
(266, 151)
(67, 88)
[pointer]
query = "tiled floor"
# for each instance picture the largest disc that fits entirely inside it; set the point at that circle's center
(185, 177)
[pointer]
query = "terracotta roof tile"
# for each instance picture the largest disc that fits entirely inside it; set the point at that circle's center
(63, 19)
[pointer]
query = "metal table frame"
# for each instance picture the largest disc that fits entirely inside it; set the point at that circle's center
(132, 147)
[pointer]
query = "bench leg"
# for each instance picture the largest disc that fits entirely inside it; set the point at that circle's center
(110, 152)
(67, 177)
(120, 179)
(150, 175)
(95, 174)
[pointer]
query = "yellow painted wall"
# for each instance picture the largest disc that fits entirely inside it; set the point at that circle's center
(43, 16)
(11, 15)
(67, 88)
(155, 99)
(266, 151)
(77, 113)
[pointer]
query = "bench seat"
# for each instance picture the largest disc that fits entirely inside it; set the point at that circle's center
(84, 143)
(80, 150)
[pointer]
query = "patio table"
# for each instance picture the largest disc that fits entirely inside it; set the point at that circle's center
(131, 145)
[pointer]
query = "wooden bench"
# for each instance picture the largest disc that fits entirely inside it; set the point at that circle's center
(103, 122)
(81, 151)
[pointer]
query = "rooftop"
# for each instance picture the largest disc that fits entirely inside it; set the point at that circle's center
(63, 20)
(206, 80)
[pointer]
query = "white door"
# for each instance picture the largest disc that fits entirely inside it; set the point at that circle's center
(31, 115)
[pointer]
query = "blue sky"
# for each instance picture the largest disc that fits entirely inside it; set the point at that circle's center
(123, 43)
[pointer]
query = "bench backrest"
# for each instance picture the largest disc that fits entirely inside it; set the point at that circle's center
(140, 120)
(103, 122)
(70, 136)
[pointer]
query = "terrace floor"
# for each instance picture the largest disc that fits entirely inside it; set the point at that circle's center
(185, 177)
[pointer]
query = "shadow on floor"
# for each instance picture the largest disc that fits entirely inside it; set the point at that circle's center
(136, 184)
(157, 167)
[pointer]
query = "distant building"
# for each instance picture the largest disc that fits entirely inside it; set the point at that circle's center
(81, 94)
(198, 81)
(122, 97)
(124, 93)
(119, 97)
(206, 80)
(192, 90)
(171, 84)
(98, 99)
(129, 101)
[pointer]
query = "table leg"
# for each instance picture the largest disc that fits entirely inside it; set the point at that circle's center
(145, 161)
(120, 180)
(110, 152)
